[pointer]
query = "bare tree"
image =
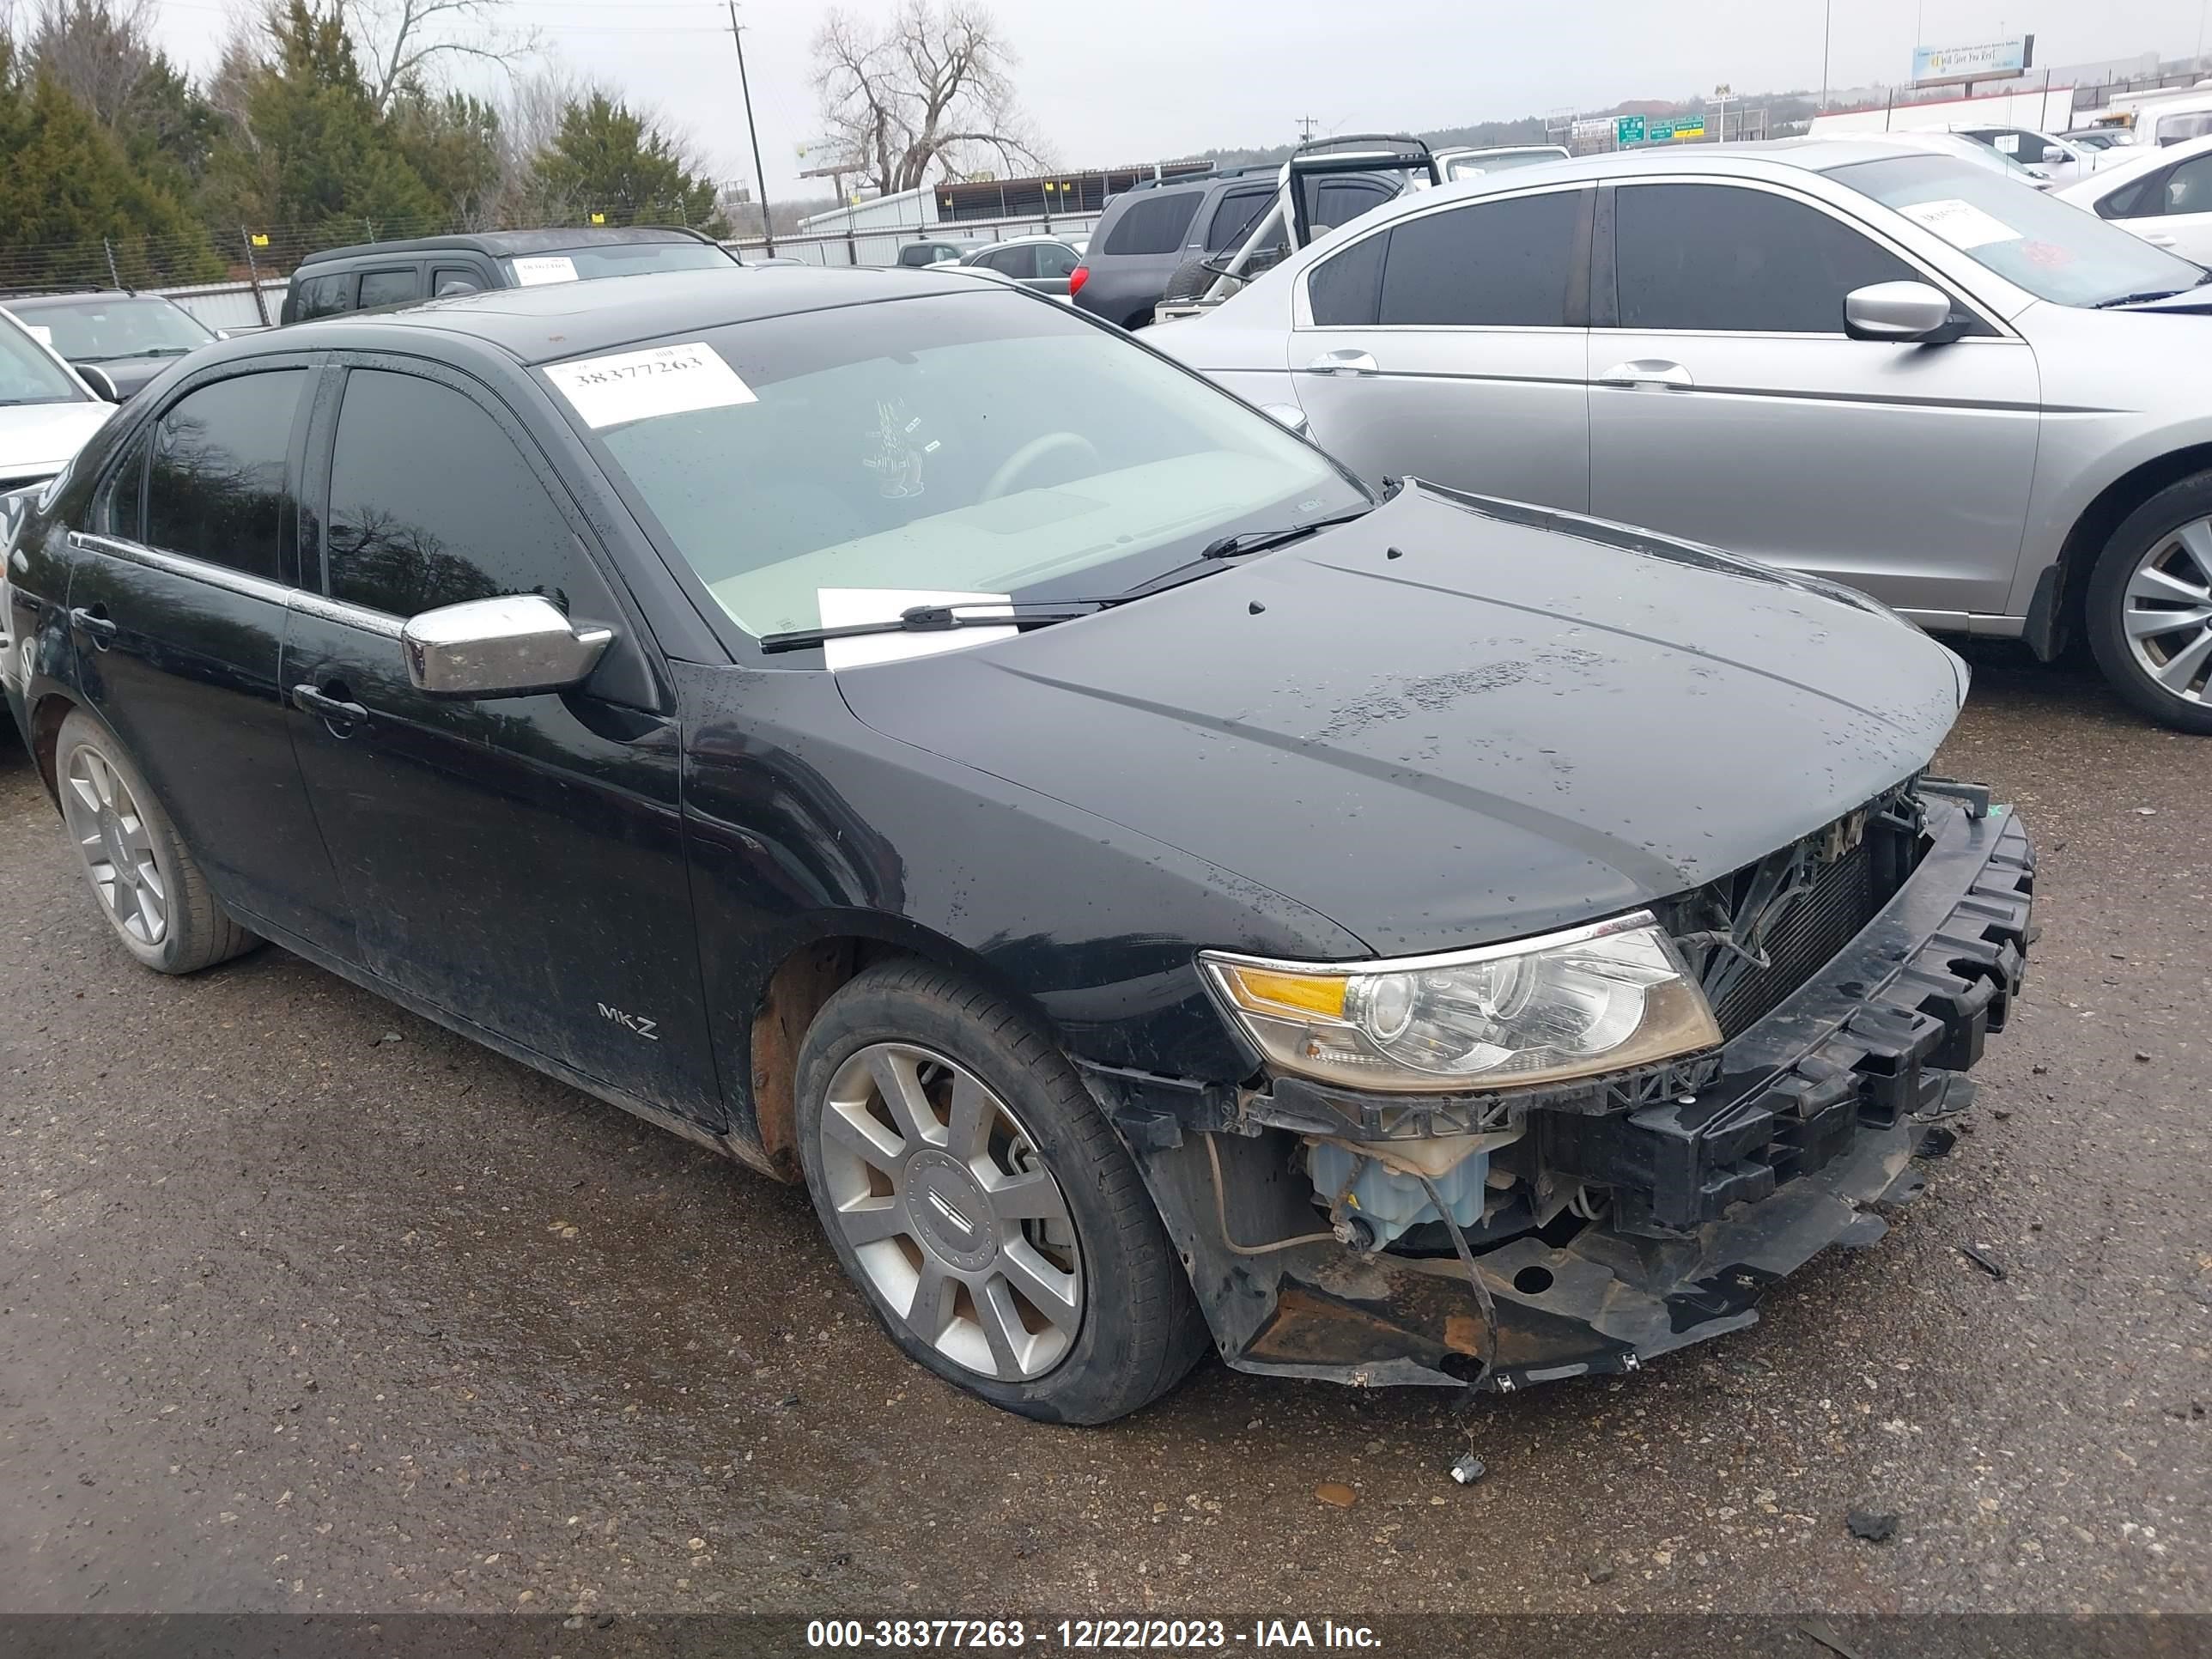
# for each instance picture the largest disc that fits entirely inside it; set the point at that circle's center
(931, 90)
(403, 44)
(99, 50)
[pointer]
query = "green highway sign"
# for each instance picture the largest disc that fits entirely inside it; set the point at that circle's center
(1641, 129)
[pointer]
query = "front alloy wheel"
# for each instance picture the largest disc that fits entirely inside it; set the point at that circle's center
(972, 1189)
(939, 1189)
(2167, 612)
(2149, 609)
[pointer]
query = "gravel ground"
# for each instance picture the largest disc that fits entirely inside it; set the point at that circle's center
(306, 1304)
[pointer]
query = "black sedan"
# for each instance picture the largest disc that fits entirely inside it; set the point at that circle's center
(908, 736)
(128, 338)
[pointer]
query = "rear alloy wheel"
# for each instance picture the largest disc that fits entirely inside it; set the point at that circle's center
(150, 889)
(972, 1188)
(2150, 607)
(117, 850)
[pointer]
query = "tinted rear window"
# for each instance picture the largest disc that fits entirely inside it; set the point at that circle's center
(1154, 223)
(1500, 263)
(1233, 218)
(321, 296)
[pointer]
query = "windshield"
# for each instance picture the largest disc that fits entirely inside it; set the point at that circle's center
(983, 443)
(28, 375)
(2175, 128)
(584, 264)
(92, 329)
(2052, 248)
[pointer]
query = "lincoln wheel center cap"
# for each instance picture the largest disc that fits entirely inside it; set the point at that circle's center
(950, 1211)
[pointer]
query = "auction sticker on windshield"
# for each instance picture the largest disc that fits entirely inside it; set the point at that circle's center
(1961, 224)
(541, 269)
(638, 386)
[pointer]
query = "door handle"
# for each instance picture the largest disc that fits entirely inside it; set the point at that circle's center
(2158, 239)
(310, 700)
(1344, 362)
(94, 623)
(1649, 371)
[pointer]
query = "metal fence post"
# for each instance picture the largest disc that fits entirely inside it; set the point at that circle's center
(114, 278)
(253, 274)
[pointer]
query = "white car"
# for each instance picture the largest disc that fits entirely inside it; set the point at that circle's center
(2163, 194)
(2063, 161)
(47, 409)
(1959, 144)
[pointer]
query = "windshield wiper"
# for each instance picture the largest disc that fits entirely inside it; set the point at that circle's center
(1256, 541)
(937, 619)
(150, 351)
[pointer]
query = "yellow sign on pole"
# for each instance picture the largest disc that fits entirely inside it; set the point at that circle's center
(599, 218)
(260, 238)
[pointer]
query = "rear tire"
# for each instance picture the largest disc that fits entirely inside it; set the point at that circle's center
(2149, 607)
(149, 888)
(972, 1188)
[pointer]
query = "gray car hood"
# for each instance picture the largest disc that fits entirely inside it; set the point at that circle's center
(1452, 721)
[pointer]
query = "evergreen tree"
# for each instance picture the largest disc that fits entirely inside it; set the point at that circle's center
(314, 152)
(66, 183)
(606, 158)
(454, 145)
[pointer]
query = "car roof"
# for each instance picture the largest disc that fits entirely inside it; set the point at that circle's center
(1771, 159)
(77, 296)
(503, 243)
(1016, 241)
(558, 320)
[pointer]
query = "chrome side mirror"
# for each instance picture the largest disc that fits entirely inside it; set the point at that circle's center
(98, 379)
(1285, 414)
(1898, 311)
(502, 647)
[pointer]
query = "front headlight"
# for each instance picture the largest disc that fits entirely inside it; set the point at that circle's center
(1603, 998)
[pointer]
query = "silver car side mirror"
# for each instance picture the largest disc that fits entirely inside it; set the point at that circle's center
(502, 647)
(1285, 414)
(98, 379)
(1897, 311)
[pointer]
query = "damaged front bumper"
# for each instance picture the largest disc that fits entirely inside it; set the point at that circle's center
(1734, 1171)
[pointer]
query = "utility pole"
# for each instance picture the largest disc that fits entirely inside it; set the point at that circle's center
(760, 173)
(1827, 19)
(1305, 129)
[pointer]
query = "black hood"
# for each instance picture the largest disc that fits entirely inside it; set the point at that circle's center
(1452, 721)
(132, 375)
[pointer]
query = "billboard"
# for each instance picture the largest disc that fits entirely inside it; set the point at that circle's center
(1992, 60)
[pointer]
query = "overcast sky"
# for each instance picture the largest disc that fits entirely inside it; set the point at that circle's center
(1108, 81)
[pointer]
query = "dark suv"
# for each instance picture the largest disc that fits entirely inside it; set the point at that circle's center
(1149, 234)
(380, 275)
(1157, 895)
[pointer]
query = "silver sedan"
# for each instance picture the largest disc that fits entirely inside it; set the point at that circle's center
(1890, 368)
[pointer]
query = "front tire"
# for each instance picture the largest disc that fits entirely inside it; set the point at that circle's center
(2149, 607)
(970, 1185)
(150, 889)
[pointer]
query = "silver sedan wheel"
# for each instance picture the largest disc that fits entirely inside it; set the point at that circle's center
(110, 837)
(955, 1221)
(2167, 613)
